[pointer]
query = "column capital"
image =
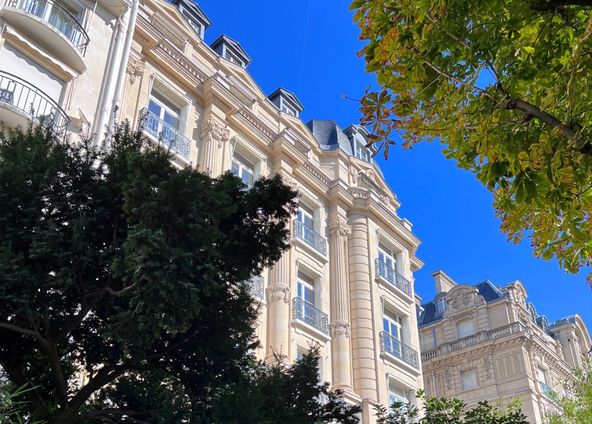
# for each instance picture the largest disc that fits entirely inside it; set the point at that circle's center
(338, 226)
(340, 328)
(278, 293)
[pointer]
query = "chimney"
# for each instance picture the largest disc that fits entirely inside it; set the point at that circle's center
(443, 282)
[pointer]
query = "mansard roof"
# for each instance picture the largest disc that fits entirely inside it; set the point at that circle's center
(194, 10)
(489, 291)
(329, 135)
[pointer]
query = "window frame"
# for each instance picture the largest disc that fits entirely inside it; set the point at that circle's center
(475, 381)
(243, 165)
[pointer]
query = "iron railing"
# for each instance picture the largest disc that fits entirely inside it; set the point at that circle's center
(477, 338)
(166, 134)
(310, 237)
(391, 275)
(58, 17)
(309, 314)
(27, 98)
(256, 288)
(395, 347)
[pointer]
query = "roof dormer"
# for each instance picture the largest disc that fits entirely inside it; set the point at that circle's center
(286, 102)
(231, 50)
(358, 137)
(194, 16)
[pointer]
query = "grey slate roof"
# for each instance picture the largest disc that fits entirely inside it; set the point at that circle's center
(487, 289)
(329, 135)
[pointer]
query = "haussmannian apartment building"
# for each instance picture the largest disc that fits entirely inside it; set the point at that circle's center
(483, 342)
(346, 284)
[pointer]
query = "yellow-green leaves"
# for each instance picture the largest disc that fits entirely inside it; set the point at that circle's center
(507, 89)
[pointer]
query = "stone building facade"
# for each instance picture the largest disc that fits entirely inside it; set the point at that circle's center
(483, 342)
(346, 284)
(62, 62)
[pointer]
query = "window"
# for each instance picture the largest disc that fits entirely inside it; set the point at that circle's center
(305, 216)
(243, 169)
(305, 289)
(386, 263)
(361, 151)
(469, 379)
(397, 394)
(287, 109)
(441, 305)
(391, 325)
(233, 58)
(163, 118)
(465, 328)
(543, 380)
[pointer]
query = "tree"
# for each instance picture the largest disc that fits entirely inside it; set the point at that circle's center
(505, 85)
(122, 279)
(449, 411)
(576, 407)
(280, 393)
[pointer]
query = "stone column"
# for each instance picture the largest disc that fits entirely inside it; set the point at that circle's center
(340, 327)
(215, 134)
(362, 325)
(278, 312)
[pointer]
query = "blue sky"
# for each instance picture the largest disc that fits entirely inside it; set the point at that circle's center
(310, 47)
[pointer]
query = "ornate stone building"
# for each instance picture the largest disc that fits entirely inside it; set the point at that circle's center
(483, 342)
(62, 62)
(347, 282)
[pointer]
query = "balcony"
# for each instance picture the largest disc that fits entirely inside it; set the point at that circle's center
(394, 278)
(52, 26)
(166, 134)
(307, 313)
(310, 237)
(21, 102)
(473, 340)
(256, 288)
(395, 347)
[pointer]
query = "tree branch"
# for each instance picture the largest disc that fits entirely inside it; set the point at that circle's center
(552, 5)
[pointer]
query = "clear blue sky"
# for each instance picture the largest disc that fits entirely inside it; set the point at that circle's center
(310, 47)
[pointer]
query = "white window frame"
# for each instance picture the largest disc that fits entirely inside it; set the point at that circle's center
(243, 165)
(305, 212)
(361, 151)
(470, 383)
(302, 284)
(393, 321)
(465, 328)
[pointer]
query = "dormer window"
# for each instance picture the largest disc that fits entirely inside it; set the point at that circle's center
(286, 102)
(194, 16)
(362, 152)
(231, 50)
(441, 305)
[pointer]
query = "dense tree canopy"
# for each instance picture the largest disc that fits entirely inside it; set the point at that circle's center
(505, 85)
(122, 280)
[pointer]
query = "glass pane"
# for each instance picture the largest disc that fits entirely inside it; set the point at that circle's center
(171, 120)
(154, 108)
(235, 169)
(247, 177)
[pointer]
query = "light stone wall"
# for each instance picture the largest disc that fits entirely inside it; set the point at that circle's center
(353, 208)
(507, 361)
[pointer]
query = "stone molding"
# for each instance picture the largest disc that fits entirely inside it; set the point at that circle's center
(338, 226)
(278, 293)
(340, 328)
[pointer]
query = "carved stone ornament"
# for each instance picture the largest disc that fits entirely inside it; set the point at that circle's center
(488, 367)
(353, 176)
(278, 293)
(339, 226)
(340, 328)
(135, 69)
(216, 131)
(290, 181)
(463, 297)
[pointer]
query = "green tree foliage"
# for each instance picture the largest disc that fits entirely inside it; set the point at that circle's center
(284, 394)
(576, 407)
(122, 294)
(449, 411)
(505, 85)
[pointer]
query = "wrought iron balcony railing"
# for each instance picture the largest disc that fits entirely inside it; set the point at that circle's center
(475, 339)
(166, 134)
(256, 287)
(310, 237)
(395, 347)
(309, 314)
(391, 275)
(28, 99)
(58, 17)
